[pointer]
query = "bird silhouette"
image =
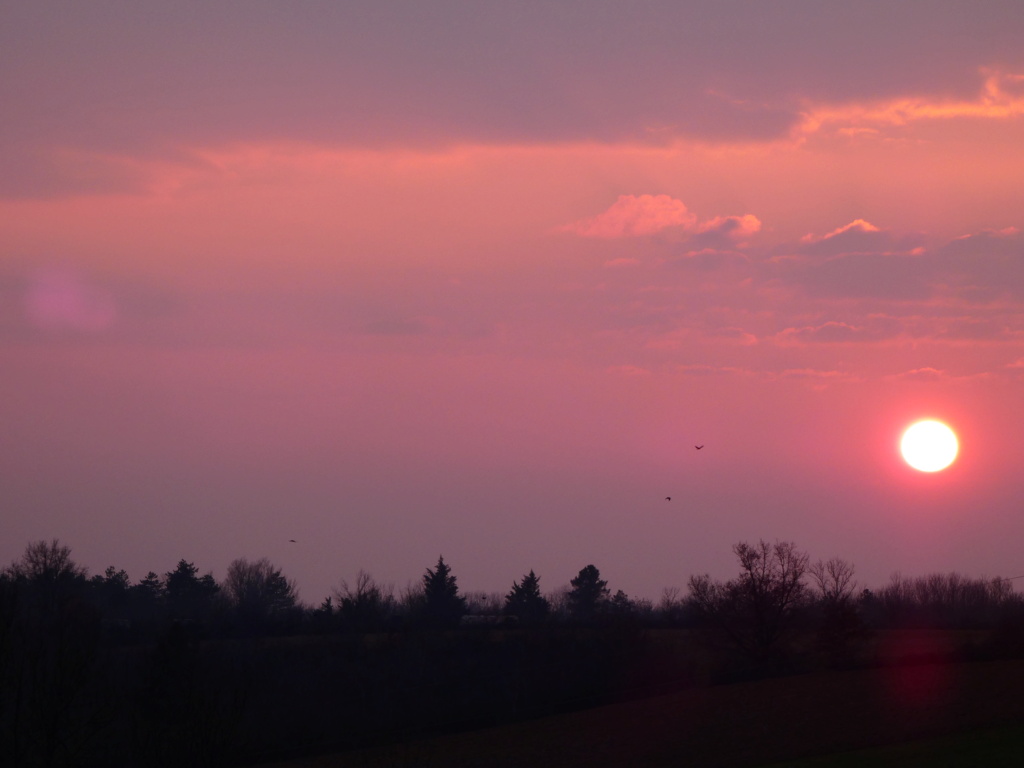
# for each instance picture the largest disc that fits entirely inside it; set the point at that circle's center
(698, 447)
(668, 498)
(292, 540)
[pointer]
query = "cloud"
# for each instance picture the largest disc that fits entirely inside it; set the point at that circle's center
(833, 332)
(923, 374)
(857, 225)
(859, 260)
(734, 227)
(897, 277)
(1001, 97)
(646, 215)
(984, 265)
(859, 236)
(973, 329)
(636, 216)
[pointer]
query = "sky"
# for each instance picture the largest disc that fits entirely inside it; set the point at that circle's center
(400, 280)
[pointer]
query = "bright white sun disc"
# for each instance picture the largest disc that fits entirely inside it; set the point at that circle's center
(929, 446)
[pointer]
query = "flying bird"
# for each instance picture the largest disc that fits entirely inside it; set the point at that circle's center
(668, 498)
(292, 540)
(698, 447)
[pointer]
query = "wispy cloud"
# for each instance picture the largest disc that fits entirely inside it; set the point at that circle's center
(833, 332)
(1001, 97)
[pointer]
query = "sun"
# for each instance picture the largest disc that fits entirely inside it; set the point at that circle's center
(929, 446)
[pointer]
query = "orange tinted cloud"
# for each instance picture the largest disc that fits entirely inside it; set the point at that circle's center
(640, 215)
(1001, 97)
(858, 225)
(736, 227)
(635, 216)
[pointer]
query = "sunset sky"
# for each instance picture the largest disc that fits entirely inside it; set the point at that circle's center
(405, 279)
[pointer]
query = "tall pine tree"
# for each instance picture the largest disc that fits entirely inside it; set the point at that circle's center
(525, 601)
(589, 594)
(442, 603)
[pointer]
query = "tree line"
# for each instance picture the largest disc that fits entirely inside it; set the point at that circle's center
(182, 669)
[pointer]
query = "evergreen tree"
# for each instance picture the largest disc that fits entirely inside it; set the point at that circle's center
(588, 595)
(525, 601)
(442, 603)
(188, 595)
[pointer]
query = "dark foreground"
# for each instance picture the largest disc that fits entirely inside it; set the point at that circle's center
(935, 714)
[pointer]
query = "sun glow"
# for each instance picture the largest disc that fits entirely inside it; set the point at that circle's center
(929, 446)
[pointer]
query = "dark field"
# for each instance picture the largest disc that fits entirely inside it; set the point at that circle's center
(920, 709)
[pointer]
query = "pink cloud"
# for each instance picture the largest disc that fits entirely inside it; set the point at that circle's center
(644, 215)
(923, 374)
(834, 332)
(736, 227)
(635, 216)
(857, 225)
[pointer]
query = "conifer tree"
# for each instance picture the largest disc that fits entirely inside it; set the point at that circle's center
(589, 593)
(442, 603)
(525, 601)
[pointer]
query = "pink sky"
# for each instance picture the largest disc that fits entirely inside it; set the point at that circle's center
(465, 280)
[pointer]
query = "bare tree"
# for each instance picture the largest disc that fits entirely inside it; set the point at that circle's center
(364, 605)
(756, 609)
(834, 580)
(671, 607)
(840, 626)
(47, 562)
(258, 590)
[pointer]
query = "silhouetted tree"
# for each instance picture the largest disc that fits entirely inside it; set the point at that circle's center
(258, 591)
(150, 587)
(588, 595)
(672, 607)
(620, 604)
(525, 601)
(364, 606)
(442, 604)
(756, 609)
(943, 600)
(49, 574)
(188, 596)
(51, 646)
(840, 625)
(47, 562)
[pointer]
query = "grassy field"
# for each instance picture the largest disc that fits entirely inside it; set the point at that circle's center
(937, 712)
(991, 748)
